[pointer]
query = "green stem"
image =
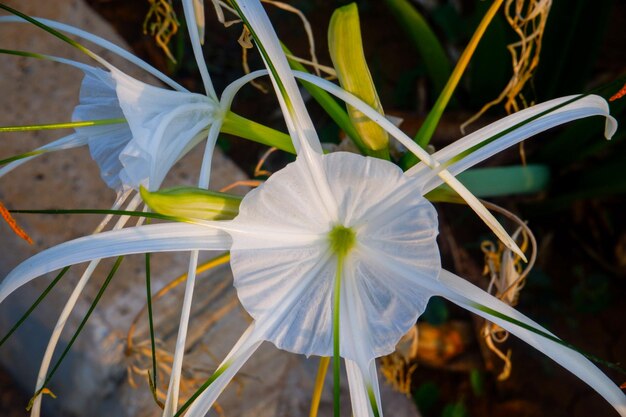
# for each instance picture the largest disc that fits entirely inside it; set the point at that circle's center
(202, 388)
(419, 32)
(64, 125)
(336, 341)
(234, 124)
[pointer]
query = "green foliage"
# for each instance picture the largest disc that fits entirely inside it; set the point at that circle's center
(426, 396)
(436, 312)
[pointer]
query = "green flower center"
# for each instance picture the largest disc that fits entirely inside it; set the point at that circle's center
(341, 240)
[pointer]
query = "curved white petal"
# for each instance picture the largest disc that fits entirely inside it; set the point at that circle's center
(165, 125)
(236, 358)
(171, 402)
(364, 390)
(168, 237)
(102, 43)
(233, 88)
(288, 290)
(98, 101)
(191, 18)
(586, 106)
(299, 123)
(68, 142)
(472, 298)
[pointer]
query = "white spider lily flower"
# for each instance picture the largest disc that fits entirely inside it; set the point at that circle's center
(160, 126)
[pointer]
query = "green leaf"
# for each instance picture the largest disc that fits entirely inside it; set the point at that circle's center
(428, 46)
(477, 382)
(426, 396)
(436, 312)
(236, 125)
(455, 410)
(496, 182)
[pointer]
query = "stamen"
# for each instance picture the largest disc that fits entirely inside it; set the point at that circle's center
(13, 224)
(341, 239)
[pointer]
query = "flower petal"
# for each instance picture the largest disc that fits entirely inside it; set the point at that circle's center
(364, 390)
(585, 106)
(68, 142)
(236, 358)
(289, 289)
(165, 125)
(194, 16)
(448, 178)
(168, 237)
(299, 123)
(102, 43)
(98, 100)
(472, 298)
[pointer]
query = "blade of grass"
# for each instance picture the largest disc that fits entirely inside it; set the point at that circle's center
(151, 325)
(93, 305)
(35, 304)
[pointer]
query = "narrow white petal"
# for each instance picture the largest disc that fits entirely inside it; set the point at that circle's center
(470, 297)
(236, 358)
(207, 158)
(191, 16)
(298, 121)
(153, 238)
(102, 43)
(363, 389)
(233, 88)
(586, 106)
(171, 403)
(68, 142)
(299, 124)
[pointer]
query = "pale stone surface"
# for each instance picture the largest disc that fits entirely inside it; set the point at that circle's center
(93, 379)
